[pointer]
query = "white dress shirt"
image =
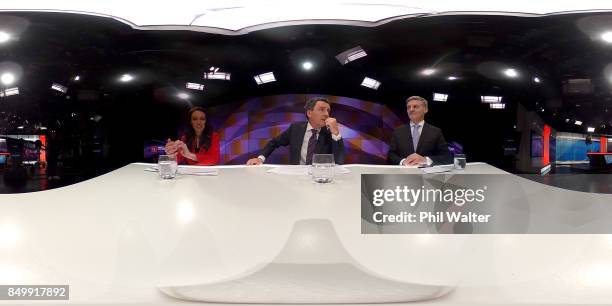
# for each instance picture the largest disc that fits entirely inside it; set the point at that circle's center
(304, 148)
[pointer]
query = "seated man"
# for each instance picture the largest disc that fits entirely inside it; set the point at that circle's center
(428, 140)
(318, 135)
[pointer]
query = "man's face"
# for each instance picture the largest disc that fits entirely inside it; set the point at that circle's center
(416, 110)
(317, 116)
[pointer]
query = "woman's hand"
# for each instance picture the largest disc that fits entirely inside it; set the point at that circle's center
(182, 148)
(171, 148)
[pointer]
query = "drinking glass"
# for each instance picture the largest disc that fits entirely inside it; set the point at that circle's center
(459, 161)
(167, 166)
(323, 168)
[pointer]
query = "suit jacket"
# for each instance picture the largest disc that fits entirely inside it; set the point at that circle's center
(294, 136)
(431, 144)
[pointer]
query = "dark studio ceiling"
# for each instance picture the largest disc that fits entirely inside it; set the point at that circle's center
(566, 53)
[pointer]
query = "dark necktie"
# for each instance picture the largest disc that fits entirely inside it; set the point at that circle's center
(415, 136)
(312, 143)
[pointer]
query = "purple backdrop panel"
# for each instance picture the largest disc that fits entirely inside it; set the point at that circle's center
(246, 126)
(230, 133)
(255, 145)
(267, 132)
(235, 147)
(374, 147)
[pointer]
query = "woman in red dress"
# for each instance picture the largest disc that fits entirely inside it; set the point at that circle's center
(200, 146)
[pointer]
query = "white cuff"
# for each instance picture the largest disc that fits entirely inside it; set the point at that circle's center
(336, 137)
(263, 158)
(402, 162)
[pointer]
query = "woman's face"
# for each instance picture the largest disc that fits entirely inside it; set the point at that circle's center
(198, 121)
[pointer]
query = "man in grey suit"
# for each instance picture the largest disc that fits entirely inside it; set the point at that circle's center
(431, 148)
(319, 135)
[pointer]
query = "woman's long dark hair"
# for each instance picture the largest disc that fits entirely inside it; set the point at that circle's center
(206, 137)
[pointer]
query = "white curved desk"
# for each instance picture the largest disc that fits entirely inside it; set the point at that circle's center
(119, 237)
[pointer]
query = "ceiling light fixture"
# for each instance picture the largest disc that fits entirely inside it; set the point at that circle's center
(428, 71)
(7, 78)
(216, 75)
(11, 91)
(307, 65)
(607, 37)
(440, 97)
(126, 78)
(4, 37)
(264, 78)
(370, 83)
(490, 99)
(511, 72)
(58, 87)
(351, 55)
(195, 86)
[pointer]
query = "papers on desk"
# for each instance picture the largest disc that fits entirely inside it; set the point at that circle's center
(197, 171)
(438, 169)
(290, 170)
(182, 170)
(303, 170)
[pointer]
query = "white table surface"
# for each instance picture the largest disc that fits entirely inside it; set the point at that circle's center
(117, 237)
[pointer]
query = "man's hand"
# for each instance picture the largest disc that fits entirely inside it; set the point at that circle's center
(254, 162)
(332, 124)
(414, 160)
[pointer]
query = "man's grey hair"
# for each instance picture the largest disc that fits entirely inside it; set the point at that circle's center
(417, 98)
(310, 104)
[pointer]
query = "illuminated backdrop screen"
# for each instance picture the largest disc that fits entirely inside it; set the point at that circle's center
(246, 126)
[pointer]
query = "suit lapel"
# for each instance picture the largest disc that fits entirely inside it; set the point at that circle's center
(410, 138)
(321, 140)
(296, 146)
(302, 129)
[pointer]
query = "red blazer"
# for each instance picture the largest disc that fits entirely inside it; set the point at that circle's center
(205, 158)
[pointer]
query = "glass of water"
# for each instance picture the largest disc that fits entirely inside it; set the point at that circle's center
(459, 161)
(323, 168)
(167, 166)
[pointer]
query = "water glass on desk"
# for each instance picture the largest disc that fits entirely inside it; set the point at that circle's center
(460, 161)
(323, 168)
(167, 166)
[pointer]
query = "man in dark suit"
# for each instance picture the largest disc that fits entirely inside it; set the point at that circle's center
(431, 148)
(319, 135)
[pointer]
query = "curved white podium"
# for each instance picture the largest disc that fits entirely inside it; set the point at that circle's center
(312, 267)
